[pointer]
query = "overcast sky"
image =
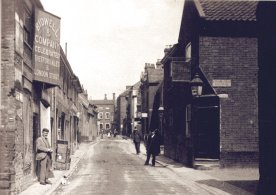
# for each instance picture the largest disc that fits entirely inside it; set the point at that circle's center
(109, 41)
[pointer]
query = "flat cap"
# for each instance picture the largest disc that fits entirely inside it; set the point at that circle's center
(45, 129)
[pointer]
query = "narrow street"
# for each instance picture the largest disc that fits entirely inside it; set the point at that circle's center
(112, 167)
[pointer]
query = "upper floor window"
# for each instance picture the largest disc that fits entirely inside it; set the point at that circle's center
(188, 52)
(27, 35)
(100, 115)
(107, 115)
(107, 126)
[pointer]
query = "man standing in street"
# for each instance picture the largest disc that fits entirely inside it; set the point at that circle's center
(136, 140)
(43, 155)
(153, 146)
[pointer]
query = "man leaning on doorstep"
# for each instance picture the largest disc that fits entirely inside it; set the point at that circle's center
(44, 156)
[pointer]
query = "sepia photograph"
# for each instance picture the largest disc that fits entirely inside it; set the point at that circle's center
(137, 97)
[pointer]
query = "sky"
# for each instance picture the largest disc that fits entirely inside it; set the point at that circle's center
(109, 41)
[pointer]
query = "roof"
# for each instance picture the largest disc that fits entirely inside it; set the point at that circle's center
(227, 10)
(101, 102)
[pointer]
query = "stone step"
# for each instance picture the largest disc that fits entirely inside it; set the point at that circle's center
(206, 163)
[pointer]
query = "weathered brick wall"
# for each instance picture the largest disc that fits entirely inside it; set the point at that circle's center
(235, 60)
(7, 132)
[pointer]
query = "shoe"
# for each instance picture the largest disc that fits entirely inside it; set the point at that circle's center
(48, 181)
(153, 165)
(146, 164)
(42, 183)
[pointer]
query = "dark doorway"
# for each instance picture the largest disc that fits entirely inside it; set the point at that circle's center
(36, 134)
(206, 132)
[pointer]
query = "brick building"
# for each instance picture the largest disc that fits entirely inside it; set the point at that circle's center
(150, 80)
(88, 130)
(38, 90)
(106, 111)
(133, 111)
(221, 47)
(121, 111)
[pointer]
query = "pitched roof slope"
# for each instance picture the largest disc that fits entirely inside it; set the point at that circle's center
(229, 10)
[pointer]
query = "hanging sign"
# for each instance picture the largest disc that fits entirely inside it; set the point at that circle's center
(180, 71)
(47, 47)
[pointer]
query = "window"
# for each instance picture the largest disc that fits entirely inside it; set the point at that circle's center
(188, 52)
(107, 115)
(100, 115)
(27, 35)
(107, 126)
(101, 126)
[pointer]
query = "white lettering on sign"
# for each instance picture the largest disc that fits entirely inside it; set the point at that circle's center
(47, 47)
(47, 22)
(221, 83)
(46, 42)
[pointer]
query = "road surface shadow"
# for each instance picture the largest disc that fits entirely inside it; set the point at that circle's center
(233, 187)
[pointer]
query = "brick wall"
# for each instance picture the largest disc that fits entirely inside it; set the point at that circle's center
(235, 60)
(7, 131)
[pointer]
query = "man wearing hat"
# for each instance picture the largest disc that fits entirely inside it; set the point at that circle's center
(43, 155)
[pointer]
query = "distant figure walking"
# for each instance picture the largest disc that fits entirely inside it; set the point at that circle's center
(136, 140)
(153, 146)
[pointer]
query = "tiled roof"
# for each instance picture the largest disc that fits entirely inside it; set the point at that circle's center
(229, 10)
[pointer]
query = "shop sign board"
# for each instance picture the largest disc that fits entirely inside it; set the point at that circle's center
(46, 47)
(180, 71)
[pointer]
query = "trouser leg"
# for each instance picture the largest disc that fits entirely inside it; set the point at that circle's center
(45, 165)
(48, 166)
(153, 160)
(138, 147)
(42, 174)
(148, 158)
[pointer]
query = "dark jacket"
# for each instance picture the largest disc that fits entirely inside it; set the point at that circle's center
(153, 144)
(136, 137)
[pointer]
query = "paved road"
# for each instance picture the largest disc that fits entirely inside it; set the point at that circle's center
(112, 168)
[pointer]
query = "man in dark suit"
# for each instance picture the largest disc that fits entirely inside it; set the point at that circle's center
(43, 155)
(136, 140)
(153, 146)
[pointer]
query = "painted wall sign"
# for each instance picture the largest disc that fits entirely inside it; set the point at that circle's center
(221, 83)
(180, 71)
(47, 47)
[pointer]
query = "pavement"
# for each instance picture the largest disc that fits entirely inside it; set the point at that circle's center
(217, 181)
(38, 189)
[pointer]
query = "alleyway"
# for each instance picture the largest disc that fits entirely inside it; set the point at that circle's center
(111, 167)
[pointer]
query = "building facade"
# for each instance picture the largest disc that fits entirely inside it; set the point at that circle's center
(221, 49)
(150, 81)
(38, 90)
(121, 111)
(105, 117)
